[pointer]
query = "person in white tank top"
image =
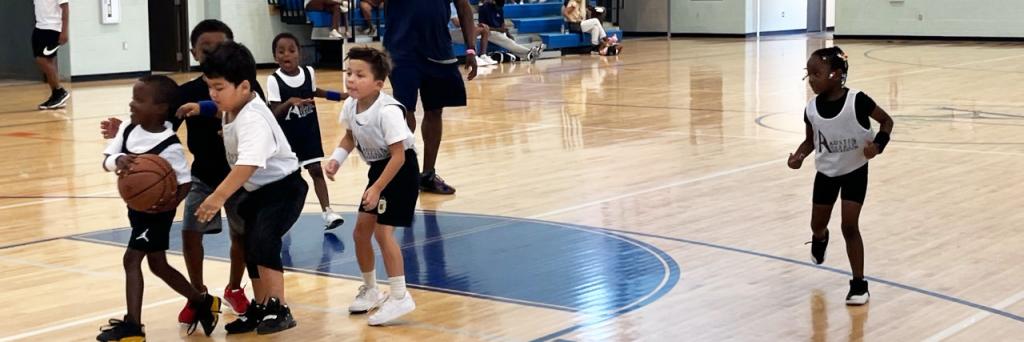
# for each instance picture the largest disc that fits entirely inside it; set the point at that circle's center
(838, 131)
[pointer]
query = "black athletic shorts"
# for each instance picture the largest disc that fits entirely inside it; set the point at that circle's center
(853, 186)
(398, 200)
(150, 232)
(45, 43)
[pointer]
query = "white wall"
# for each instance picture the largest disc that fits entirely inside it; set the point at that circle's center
(255, 24)
(712, 16)
(951, 18)
(99, 49)
(830, 13)
(737, 16)
(783, 15)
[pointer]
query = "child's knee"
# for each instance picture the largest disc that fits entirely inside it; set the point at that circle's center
(361, 233)
(132, 260)
(851, 230)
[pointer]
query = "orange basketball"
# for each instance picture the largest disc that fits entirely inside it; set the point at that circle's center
(149, 185)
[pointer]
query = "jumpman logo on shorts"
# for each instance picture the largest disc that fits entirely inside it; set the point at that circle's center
(143, 235)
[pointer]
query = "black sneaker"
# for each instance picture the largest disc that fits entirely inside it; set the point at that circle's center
(431, 182)
(122, 330)
(58, 99)
(248, 321)
(858, 294)
(49, 101)
(207, 314)
(818, 249)
(278, 318)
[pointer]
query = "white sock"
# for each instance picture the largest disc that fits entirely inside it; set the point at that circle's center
(328, 210)
(397, 287)
(370, 279)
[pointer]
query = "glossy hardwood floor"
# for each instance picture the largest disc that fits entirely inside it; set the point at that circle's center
(678, 144)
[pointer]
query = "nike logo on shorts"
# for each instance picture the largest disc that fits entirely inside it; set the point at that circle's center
(48, 52)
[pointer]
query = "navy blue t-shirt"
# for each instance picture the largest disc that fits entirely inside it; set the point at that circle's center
(418, 28)
(491, 15)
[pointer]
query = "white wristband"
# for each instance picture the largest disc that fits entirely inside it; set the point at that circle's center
(110, 163)
(340, 154)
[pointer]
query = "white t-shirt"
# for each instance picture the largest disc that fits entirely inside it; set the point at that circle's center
(254, 138)
(378, 127)
(140, 141)
(839, 141)
(274, 90)
(48, 15)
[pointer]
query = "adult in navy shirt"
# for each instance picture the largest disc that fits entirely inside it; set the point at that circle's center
(420, 46)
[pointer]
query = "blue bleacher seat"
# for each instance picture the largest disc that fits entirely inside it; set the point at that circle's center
(319, 18)
(547, 9)
(538, 25)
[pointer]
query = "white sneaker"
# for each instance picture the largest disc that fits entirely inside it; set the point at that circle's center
(482, 61)
(335, 34)
(332, 220)
(392, 309)
(366, 300)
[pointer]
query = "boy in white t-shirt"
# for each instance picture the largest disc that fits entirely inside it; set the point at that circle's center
(266, 172)
(377, 127)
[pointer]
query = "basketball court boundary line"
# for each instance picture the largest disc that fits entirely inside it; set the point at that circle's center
(890, 283)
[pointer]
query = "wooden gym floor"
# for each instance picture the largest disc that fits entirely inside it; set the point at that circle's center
(641, 197)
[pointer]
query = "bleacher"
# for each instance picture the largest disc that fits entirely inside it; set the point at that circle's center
(529, 23)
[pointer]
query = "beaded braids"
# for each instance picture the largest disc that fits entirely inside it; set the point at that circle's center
(836, 59)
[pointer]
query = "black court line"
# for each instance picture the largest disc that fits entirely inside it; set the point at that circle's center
(760, 122)
(589, 104)
(926, 292)
(868, 55)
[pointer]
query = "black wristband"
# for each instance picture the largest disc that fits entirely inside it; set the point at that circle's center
(881, 139)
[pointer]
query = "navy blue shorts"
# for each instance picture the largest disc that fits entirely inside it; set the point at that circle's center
(303, 135)
(439, 85)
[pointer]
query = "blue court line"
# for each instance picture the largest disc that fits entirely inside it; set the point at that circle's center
(930, 293)
(944, 297)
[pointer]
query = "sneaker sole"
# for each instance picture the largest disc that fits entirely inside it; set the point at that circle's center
(858, 301)
(132, 339)
(815, 260)
(391, 320)
(334, 224)
(371, 308)
(292, 324)
(60, 104)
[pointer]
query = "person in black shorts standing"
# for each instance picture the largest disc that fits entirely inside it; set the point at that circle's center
(50, 33)
(839, 131)
(420, 47)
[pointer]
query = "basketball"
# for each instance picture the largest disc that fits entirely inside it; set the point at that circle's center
(149, 185)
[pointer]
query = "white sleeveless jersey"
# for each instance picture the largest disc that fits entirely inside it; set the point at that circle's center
(838, 142)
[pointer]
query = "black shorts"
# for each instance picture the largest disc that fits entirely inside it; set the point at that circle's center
(268, 213)
(397, 204)
(45, 43)
(853, 185)
(439, 85)
(150, 232)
